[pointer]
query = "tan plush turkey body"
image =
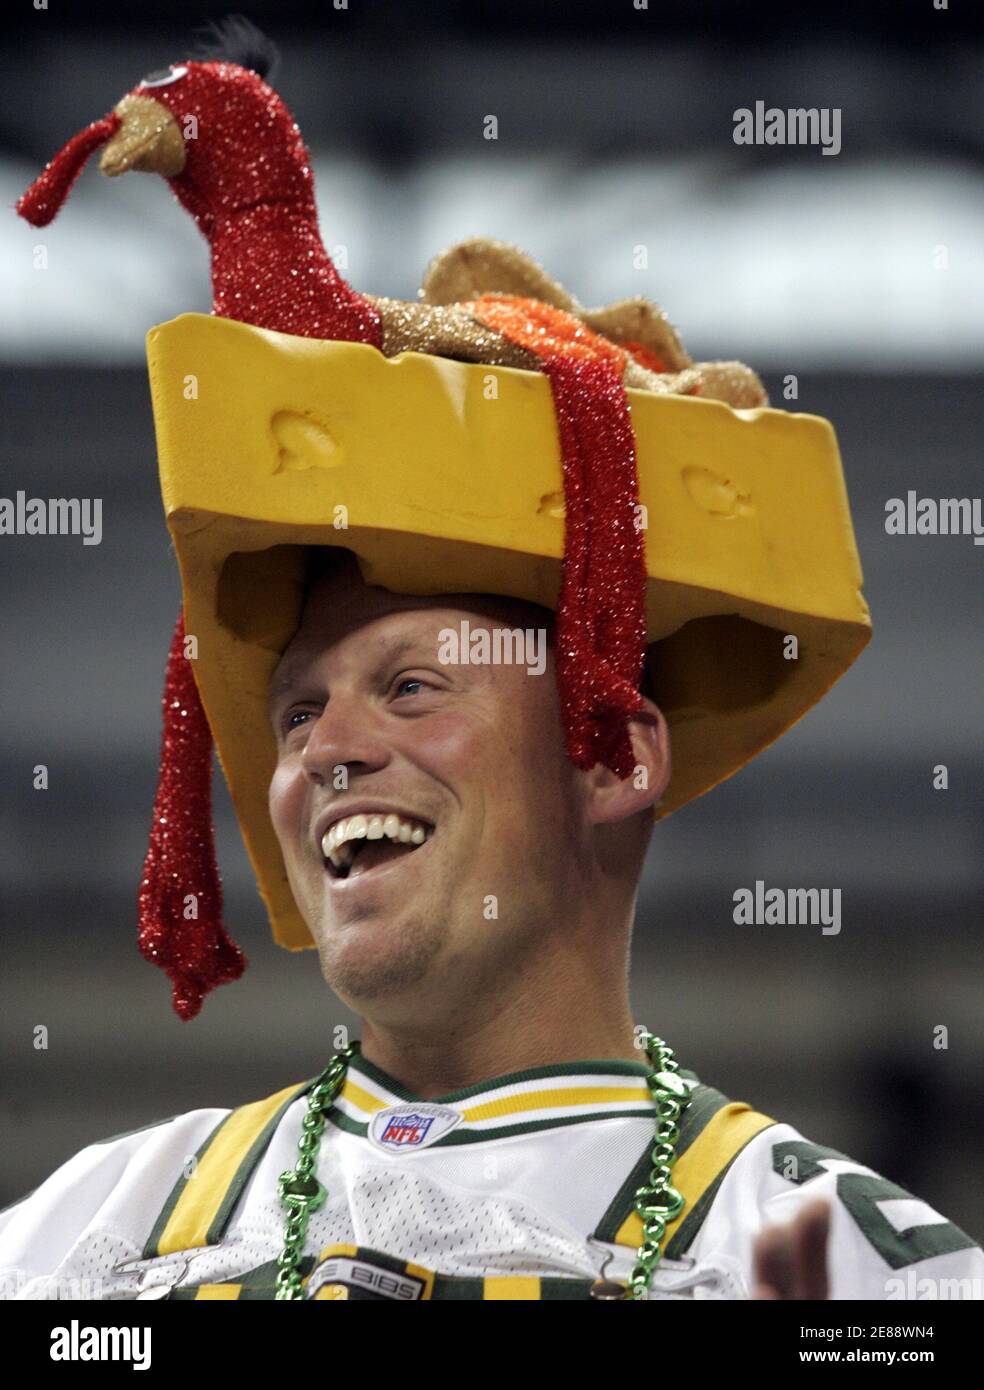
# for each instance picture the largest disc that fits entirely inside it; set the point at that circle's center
(655, 358)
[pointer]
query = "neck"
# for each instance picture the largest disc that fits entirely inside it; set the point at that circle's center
(566, 1005)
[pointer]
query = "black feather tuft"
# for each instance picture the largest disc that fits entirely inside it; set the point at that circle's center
(236, 39)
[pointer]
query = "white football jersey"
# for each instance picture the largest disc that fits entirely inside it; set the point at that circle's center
(517, 1188)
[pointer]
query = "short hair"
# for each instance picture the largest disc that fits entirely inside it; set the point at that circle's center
(323, 560)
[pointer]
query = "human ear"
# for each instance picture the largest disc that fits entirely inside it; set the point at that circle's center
(611, 798)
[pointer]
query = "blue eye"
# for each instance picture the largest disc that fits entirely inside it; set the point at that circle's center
(292, 716)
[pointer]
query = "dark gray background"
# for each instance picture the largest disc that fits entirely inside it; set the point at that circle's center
(614, 130)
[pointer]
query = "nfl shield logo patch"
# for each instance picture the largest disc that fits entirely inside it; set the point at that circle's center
(412, 1126)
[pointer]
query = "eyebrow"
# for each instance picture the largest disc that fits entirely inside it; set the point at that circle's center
(291, 674)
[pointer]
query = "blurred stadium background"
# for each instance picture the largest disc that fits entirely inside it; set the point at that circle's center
(615, 130)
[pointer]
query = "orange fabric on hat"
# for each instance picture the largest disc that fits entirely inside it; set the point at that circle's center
(646, 357)
(543, 329)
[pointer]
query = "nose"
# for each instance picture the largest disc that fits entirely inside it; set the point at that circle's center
(343, 736)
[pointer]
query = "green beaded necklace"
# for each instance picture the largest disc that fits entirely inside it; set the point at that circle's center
(658, 1203)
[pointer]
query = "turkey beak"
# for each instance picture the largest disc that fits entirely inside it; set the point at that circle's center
(148, 140)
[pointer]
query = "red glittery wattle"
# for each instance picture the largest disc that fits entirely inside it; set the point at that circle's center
(601, 614)
(180, 901)
(40, 204)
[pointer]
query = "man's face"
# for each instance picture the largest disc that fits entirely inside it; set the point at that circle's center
(364, 711)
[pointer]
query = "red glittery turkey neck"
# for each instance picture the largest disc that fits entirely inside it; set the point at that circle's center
(248, 182)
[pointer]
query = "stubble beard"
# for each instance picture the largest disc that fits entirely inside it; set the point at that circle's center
(397, 965)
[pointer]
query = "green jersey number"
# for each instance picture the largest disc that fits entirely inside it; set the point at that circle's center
(798, 1161)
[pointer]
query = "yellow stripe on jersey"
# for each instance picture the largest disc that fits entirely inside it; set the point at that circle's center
(727, 1132)
(199, 1206)
(365, 1100)
(560, 1098)
(511, 1286)
(420, 1272)
(635, 1093)
(202, 1194)
(349, 1250)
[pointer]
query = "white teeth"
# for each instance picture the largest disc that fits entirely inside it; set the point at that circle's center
(336, 843)
(342, 856)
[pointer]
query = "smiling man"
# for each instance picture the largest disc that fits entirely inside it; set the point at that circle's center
(430, 877)
(461, 842)
(430, 823)
(471, 894)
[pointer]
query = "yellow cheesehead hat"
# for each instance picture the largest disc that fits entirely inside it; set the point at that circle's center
(444, 476)
(494, 436)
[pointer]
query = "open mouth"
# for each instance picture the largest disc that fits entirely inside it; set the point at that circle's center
(361, 843)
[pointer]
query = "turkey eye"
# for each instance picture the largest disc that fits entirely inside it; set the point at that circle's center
(162, 77)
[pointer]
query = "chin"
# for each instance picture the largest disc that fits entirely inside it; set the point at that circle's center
(366, 960)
